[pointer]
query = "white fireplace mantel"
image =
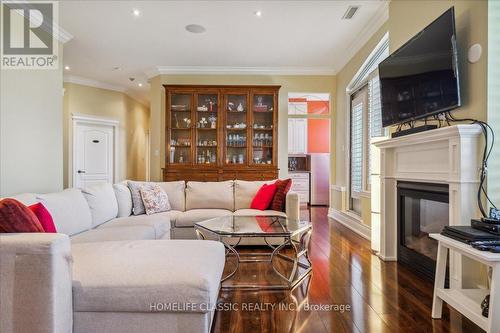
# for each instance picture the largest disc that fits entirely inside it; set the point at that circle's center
(448, 155)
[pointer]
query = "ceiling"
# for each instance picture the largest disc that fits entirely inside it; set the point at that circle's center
(290, 37)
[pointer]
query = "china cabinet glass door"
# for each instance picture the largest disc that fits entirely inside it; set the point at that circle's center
(236, 129)
(180, 125)
(207, 120)
(262, 128)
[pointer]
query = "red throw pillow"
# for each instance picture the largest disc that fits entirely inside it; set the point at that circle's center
(44, 217)
(279, 200)
(16, 217)
(264, 196)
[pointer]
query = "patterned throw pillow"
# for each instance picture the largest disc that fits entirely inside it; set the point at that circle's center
(279, 200)
(135, 187)
(155, 200)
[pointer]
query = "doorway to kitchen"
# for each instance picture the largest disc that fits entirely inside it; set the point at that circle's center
(309, 130)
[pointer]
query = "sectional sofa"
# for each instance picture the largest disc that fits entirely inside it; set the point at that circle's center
(107, 270)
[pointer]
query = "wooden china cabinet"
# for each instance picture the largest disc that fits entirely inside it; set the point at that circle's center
(216, 133)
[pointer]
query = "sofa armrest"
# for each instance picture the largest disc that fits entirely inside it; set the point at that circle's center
(35, 283)
(292, 205)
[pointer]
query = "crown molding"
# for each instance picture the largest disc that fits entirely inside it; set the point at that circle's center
(380, 17)
(104, 85)
(223, 70)
(93, 83)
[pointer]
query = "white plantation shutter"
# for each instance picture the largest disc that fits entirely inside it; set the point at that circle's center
(375, 108)
(356, 149)
(374, 120)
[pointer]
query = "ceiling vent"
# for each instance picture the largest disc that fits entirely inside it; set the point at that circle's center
(350, 12)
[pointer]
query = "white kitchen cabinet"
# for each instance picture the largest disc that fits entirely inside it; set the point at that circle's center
(297, 136)
(301, 185)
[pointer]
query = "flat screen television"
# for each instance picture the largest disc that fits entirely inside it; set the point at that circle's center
(421, 79)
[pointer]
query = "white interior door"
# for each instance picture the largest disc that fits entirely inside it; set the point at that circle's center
(94, 154)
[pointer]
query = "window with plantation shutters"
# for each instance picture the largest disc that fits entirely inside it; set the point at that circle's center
(365, 125)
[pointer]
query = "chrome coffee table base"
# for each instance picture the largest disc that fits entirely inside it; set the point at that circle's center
(291, 281)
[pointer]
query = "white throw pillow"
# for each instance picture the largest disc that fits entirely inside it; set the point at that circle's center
(155, 200)
(102, 202)
(69, 209)
(124, 199)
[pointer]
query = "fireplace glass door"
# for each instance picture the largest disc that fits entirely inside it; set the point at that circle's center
(422, 209)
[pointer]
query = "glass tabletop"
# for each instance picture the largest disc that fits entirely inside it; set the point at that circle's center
(254, 226)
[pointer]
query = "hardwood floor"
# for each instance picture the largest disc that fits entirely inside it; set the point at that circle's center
(383, 296)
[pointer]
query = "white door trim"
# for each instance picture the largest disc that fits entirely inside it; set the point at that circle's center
(79, 119)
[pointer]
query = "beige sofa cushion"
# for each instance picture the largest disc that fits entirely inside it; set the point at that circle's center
(139, 232)
(102, 202)
(176, 194)
(124, 199)
(217, 195)
(129, 276)
(69, 210)
(256, 212)
(160, 222)
(190, 217)
(245, 191)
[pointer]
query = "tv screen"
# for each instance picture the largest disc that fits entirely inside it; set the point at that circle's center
(421, 78)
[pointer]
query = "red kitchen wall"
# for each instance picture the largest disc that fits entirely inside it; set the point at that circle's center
(318, 107)
(318, 136)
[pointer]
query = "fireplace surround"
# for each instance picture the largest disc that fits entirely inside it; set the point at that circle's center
(448, 156)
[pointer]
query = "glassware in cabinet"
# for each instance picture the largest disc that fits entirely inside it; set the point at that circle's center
(235, 133)
(180, 128)
(207, 123)
(262, 128)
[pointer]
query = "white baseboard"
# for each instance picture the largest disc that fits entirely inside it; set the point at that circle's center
(350, 222)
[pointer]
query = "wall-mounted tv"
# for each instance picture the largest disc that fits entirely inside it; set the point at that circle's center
(421, 79)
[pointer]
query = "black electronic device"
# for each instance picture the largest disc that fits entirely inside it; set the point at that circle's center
(467, 234)
(493, 228)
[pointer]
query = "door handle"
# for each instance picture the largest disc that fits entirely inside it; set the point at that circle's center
(81, 171)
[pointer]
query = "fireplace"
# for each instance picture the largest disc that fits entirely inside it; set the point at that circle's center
(448, 155)
(422, 208)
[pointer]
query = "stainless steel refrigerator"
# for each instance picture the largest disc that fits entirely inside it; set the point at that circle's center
(320, 179)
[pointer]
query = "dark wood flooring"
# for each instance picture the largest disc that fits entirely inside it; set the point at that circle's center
(382, 296)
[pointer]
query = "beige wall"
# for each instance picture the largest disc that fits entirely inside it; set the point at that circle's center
(133, 129)
(31, 143)
(288, 84)
(406, 18)
(494, 98)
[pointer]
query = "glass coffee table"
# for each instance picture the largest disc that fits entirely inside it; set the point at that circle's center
(278, 233)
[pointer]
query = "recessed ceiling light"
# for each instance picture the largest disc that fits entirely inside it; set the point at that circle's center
(67, 67)
(117, 68)
(195, 28)
(258, 13)
(140, 84)
(136, 12)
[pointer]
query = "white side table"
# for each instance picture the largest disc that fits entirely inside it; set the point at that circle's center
(467, 301)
